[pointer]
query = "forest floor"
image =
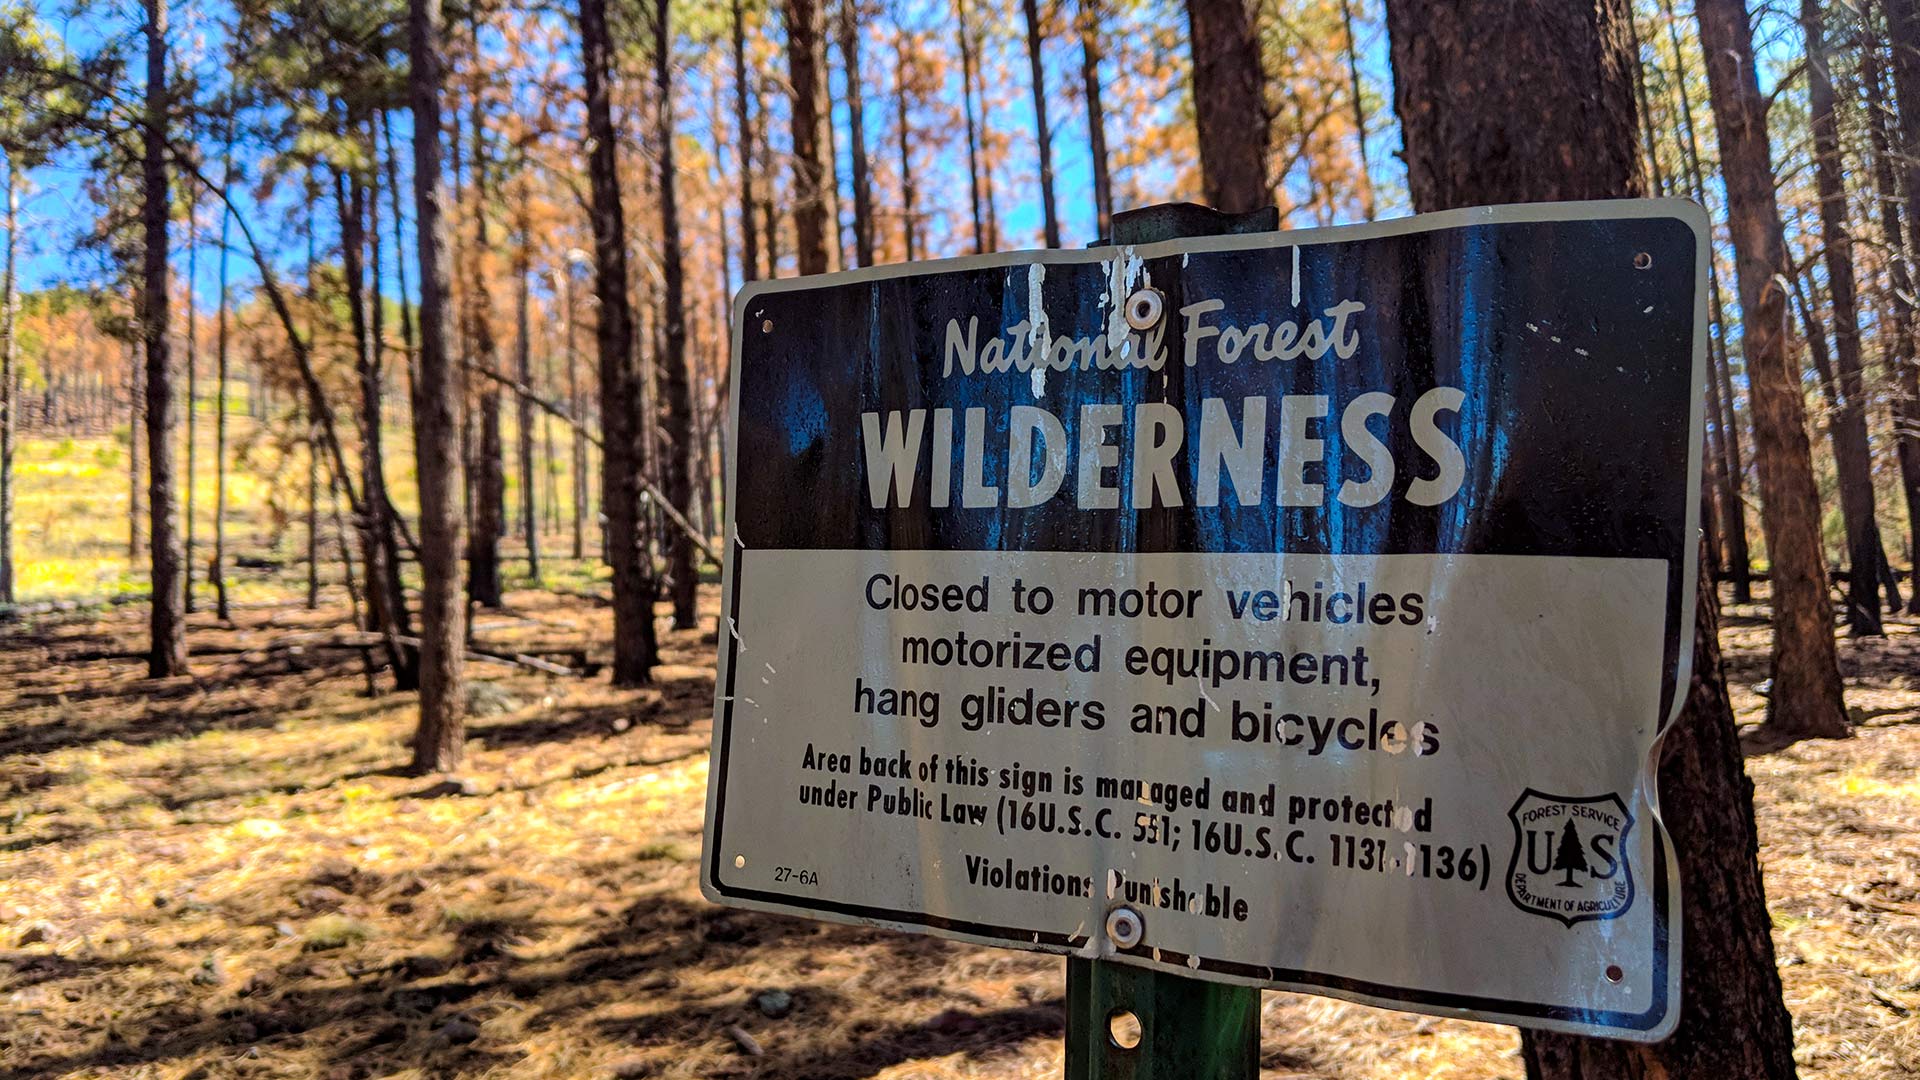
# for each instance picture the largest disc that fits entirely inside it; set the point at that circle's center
(230, 876)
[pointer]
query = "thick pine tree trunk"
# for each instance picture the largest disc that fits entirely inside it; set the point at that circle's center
(814, 229)
(1852, 454)
(1806, 698)
(168, 649)
(1043, 133)
(675, 394)
(1553, 115)
(440, 739)
(1229, 97)
(621, 461)
(857, 132)
(1089, 28)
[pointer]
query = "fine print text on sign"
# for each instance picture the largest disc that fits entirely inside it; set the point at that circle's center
(1315, 598)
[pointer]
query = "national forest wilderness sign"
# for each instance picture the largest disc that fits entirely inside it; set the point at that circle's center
(1317, 598)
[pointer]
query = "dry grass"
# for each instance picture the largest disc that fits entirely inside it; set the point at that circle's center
(229, 877)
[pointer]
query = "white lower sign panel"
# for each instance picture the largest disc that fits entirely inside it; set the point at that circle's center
(997, 675)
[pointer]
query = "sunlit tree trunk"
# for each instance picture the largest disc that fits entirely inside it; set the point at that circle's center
(168, 649)
(136, 426)
(1806, 697)
(1549, 88)
(1229, 102)
(634, 641)
(440, 739)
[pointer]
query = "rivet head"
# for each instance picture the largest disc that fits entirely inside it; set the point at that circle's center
(1125, 928)
(1143, 309)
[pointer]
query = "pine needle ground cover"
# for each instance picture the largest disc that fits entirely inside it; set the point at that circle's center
(228, 876)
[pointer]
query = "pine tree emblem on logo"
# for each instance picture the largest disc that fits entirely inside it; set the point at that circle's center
(1570, 856)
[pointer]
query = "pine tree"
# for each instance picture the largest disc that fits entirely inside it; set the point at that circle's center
(1500, 104)
(1569, 856)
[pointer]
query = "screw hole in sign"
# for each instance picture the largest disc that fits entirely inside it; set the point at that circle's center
(1614, 974)
(1123, 1028)
(739, 862)
(766, 326)
(1642, 260)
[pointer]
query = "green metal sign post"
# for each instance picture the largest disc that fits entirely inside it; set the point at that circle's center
(1128, 1023)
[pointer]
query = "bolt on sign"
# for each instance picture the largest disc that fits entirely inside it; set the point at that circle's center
(1298, 609)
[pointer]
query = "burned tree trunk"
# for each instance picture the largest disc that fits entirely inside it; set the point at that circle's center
(1563, 122)
(634, 642)
(677, 421)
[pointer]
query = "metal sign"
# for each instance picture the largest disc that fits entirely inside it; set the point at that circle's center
(1298, 610)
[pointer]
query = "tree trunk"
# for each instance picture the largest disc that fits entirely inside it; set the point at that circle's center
(313, 518)
(675, 394)
(967, 64)
(622, 458)
(1806, 698)
(193, 397)
(440, 740)
(168, 651)
(1733, 515)
(136, 407)
(217, 568)
(908, 222)
(1043, 134)
(1230, 113)
(488, 462)
(9, 310)
(857, 132)
(1096, 117)
(1566, 119)
(813, 225)
(1852, 454)
(523, 370)
(379, 552)
(743, 133)
(1903, 32)
(1367, 208)
(578, 404)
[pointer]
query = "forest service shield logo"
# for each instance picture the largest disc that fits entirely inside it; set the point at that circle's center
(1570, 856)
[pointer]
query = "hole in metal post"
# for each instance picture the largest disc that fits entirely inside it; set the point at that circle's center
(1642, 260)
(1614, 974)
(1123, 1028)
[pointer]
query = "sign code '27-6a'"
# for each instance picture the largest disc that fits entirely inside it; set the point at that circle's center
(1317, 596)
